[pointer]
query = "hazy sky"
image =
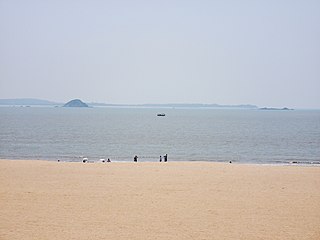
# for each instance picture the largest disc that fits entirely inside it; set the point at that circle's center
(263, 52)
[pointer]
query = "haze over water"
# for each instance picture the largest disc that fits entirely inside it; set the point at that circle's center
(253, 136)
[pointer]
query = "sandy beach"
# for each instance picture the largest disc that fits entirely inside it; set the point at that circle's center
(174, 200)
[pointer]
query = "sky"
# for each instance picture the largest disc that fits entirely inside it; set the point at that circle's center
(258, 52)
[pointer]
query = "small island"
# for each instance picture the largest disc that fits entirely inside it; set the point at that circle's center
(75, 103)
(281, 109)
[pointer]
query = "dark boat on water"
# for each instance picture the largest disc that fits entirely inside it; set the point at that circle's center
(160, 114)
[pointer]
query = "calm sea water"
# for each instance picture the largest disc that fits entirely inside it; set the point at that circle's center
(184, 134)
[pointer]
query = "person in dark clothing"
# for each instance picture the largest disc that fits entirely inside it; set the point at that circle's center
(108, 160)
(160, 159)
(165, 157)
(135, 159)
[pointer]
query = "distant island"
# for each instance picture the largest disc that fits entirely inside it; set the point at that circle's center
(75, 103)
(281, 109)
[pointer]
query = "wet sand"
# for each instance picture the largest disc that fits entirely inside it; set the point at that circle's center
(174, 200)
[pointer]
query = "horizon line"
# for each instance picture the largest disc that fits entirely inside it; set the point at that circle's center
(53, 102)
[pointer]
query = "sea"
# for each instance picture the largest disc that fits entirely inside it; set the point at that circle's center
(184, 134)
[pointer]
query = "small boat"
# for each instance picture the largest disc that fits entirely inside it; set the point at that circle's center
(160, 114)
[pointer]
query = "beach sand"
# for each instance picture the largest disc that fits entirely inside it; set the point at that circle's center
(174, 200)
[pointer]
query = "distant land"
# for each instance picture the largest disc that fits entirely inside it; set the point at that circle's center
(27, 101)
(176, 105)
(79, 103)
(281, 109)
(40, 102)
(75, 103)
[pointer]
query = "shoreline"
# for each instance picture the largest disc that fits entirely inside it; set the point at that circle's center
(294, 163)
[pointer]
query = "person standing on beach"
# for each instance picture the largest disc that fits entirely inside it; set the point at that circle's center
(160, 159)
(165, 157)
(135, 159)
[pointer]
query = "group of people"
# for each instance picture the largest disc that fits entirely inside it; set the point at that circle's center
(165, 158)
(105, 160)
(85, 160)
(135, 159)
